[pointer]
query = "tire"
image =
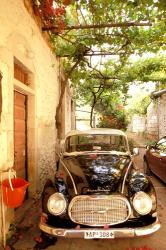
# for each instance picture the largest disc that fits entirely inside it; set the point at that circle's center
(147, 170)
(46, 241)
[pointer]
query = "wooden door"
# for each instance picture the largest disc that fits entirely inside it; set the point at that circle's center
(20, 131)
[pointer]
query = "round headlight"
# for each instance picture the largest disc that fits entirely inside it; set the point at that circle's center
(56, 204)
(142, 203)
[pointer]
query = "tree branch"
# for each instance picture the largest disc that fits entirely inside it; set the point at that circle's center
(66, 39)
(98, 71)
(95, 76)
(100, 53)
(77, 13)
(78, 8)
(100, 26)
(95, 99)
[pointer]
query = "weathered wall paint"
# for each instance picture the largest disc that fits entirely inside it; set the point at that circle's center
(21, 38)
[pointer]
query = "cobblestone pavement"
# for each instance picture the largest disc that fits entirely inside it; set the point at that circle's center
(29, 228)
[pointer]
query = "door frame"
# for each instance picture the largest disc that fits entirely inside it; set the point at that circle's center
(31, 160)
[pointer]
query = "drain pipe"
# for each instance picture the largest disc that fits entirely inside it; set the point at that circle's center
(3, 231)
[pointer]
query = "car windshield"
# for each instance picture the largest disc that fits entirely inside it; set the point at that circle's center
(93, 142)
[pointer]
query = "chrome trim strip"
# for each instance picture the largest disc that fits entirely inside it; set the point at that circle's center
(124, 179)
(118, 232)
(99, 197)
(75, 153)
(74, 186)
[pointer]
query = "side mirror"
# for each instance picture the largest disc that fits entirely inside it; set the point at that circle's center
(135, 151)
(152, 145)
(62, 146)
(162, 154)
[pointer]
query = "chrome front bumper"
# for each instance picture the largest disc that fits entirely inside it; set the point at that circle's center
(118, 232)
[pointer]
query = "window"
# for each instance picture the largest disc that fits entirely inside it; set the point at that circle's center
(21, 73)
(85, 142)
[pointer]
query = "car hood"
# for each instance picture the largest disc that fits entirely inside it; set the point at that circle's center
(93, 173)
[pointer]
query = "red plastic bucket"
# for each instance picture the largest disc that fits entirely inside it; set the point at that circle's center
(14, 198)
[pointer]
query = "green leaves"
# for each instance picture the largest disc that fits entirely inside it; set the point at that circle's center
(140, 106)
(145, 70)
(103, 81)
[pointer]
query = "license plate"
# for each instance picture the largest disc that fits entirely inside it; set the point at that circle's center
(102, 234)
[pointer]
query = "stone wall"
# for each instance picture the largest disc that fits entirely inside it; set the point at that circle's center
(152, 121)
(21, 39)
(137, 124)
(162, 115)
(156, 118)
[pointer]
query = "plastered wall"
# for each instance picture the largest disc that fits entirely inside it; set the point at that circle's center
(21, 38)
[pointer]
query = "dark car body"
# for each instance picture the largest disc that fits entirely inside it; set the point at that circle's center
(155, 159)
(97, 193)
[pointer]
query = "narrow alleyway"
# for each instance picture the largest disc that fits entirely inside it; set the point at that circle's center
(139, 139)
(67, 65)
(28, 230)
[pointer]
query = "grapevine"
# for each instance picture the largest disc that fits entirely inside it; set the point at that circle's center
(51, 15)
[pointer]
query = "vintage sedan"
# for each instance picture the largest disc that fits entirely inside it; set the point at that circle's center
(155, 159)
(97, 193)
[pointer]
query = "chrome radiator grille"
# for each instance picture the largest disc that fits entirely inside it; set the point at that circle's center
(99, 210)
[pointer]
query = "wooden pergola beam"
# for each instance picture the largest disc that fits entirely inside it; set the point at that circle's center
(100, 53)
(100, 26)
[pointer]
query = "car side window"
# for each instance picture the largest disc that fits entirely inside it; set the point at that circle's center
(161, 145)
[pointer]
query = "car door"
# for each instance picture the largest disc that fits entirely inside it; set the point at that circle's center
(153, 159)
(161, 150)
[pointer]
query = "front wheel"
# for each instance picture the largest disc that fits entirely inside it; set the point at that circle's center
(44, 241)
(146, 168)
